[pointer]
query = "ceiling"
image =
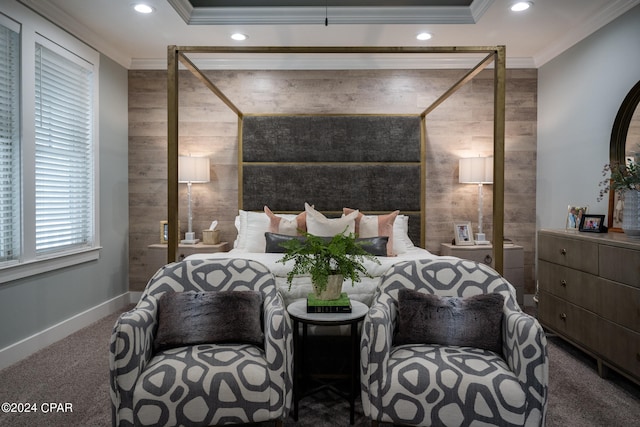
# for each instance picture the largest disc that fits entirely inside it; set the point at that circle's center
(304, 3)
(137, 41)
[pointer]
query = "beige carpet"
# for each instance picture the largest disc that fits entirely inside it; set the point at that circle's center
(75, 371)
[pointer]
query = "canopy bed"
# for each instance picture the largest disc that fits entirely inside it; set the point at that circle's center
(374, 163)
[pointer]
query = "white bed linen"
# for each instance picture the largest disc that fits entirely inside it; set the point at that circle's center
(362, 291)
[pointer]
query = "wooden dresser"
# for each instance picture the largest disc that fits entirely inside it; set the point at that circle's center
(589, 294)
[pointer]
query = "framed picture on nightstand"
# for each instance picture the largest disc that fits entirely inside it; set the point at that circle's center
(164, 231)
(462, 233)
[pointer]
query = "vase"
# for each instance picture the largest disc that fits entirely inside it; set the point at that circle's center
(631, 213)
(333, 289)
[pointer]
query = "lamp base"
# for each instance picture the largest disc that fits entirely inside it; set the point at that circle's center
(189, 239)
(481, 239)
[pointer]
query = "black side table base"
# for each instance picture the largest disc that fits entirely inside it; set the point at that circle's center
(297, 311)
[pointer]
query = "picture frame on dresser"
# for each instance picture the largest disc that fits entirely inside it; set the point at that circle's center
(462, 233)
(616, 206)
(592, 224)
(574, 215)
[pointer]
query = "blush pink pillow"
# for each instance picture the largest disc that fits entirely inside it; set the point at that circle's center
(290, 227)
(375, 225)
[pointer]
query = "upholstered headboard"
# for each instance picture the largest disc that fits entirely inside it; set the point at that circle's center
(373, 163)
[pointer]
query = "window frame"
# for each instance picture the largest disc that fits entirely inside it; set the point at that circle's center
(35, 29)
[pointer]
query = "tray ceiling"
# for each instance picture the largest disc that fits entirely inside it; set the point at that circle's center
(292, 12)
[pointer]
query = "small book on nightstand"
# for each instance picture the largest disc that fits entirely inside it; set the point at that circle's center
(340, 305)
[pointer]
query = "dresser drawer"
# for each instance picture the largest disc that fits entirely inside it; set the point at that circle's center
(569, 320)
(589, 293)
(578, 254)
(621, 347)
(572, 285)
(620, 304)
(620, 264)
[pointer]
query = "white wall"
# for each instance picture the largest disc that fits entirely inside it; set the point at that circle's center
(35, 304)
(579, 94)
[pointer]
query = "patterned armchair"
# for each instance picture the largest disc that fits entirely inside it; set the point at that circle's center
(439, 385)
(205, 384)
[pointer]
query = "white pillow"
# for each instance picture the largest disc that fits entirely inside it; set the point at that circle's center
(401, 240)
(236, 222)
(320, 225)
(251, 231)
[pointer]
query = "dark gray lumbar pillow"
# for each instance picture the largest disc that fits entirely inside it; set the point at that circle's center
(374, 245)
(274, 241)
(475, 321)
(190, 318)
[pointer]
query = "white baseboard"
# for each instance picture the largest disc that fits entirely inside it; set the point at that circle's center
(24, 348)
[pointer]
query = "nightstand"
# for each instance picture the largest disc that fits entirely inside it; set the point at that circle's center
(513, 261)
(157, 253)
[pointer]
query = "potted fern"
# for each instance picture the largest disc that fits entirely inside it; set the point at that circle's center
(328, 260)
(625, 180)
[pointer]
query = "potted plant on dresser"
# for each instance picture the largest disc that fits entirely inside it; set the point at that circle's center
(625, 180)
(328, 260)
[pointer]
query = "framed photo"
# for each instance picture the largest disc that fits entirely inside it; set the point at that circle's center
(616, 206)
(574, 215)
(164, 231)
(462, 233)
(593, 223)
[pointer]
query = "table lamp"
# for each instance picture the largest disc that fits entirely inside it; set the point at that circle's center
(192, 170)
(477, 170)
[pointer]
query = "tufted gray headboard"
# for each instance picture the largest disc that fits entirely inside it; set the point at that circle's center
(374, 163)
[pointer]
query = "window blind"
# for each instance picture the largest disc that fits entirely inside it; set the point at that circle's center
(64, 156)
(9, 144)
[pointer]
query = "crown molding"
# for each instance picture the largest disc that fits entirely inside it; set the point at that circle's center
(336, 14)
(183, 8)
(60, 18)
(478, 8)
(613, 10)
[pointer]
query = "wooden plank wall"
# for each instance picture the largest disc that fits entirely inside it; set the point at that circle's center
(461, 127)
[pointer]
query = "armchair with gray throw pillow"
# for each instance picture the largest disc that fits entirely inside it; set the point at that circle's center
(445, 344)
(209, 343)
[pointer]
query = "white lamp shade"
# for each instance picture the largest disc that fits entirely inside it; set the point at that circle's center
(476, 170)
(193, 169)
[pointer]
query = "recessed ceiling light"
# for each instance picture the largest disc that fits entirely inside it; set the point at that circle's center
(239, 37)
(521, 5)
(142, 8)
(423, 36)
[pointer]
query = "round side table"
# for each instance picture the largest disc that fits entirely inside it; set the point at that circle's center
(298, 312)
